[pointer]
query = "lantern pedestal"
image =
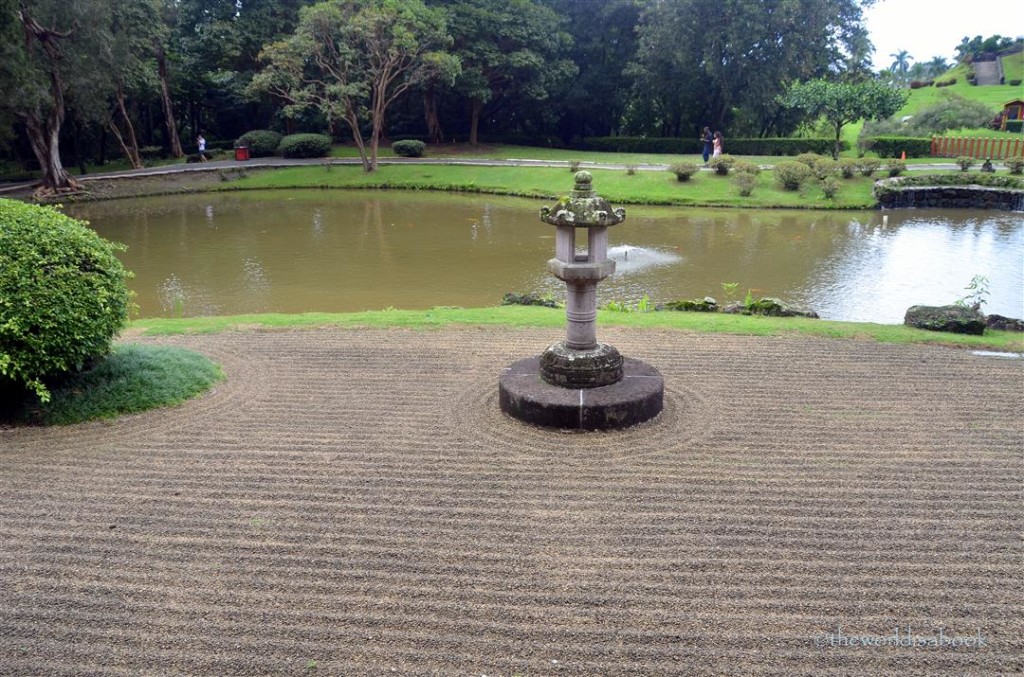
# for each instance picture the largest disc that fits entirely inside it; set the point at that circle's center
(636, 398)
(578, 383)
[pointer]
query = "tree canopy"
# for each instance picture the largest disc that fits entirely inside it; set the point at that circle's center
(842, 103)
(136, 79)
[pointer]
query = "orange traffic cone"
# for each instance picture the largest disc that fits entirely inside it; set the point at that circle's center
(903, 155)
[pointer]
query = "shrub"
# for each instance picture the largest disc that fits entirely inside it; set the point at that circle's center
(848, 167)
(152, 152)
(1014, 164)
(895, 167)
(744, 167)
(965, 163)
(791, 175)
(63, 295)
(894, 146)
(830, 186)
(409, 148)
(745, 182)
(630, 170)
(809, 159)
(868, 166)
(684, 170)
(574, 166)
(260, 142)
(722, 164)
(305, 145)
(1015, 82)
(824, 168)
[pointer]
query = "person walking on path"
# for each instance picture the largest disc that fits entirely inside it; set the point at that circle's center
(717, 144)
(706, 139)
(201, 142)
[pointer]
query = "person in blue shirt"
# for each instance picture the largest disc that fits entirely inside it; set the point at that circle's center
(705, 136)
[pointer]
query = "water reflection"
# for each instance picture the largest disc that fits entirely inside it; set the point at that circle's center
(296, 251)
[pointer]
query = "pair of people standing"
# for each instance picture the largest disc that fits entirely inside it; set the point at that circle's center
(712, 143)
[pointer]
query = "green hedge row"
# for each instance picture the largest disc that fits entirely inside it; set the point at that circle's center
(735, 146)
(895, 146)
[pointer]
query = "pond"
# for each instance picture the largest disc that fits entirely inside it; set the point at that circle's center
(334, 251)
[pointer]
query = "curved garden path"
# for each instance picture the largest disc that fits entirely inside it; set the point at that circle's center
(352, 502)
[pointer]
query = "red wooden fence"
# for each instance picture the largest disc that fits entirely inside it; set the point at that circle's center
(996, 149)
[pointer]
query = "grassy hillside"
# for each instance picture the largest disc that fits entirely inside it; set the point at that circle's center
(993, 96)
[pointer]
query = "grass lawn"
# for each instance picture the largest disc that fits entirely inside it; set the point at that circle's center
(523, 316)
(643, 187)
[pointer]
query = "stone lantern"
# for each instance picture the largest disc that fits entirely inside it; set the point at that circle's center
(580, 383)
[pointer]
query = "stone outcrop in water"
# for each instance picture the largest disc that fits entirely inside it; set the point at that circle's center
(704, 305)
(955, 319)
(770, 306)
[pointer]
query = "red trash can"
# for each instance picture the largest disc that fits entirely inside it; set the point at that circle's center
(242, 153)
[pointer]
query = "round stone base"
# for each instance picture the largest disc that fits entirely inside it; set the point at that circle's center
(524, 395)
(569, 368)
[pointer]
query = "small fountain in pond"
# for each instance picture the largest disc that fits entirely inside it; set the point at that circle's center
(579, 383)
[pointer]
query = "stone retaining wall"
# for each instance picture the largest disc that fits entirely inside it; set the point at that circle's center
(962, 197)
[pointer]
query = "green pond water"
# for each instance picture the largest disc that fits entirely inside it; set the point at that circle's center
(333, 251)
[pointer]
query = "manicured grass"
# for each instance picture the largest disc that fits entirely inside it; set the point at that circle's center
(520, 316)
(133, 378)
(643, 187)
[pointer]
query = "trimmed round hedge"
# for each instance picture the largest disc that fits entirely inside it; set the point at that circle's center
(305, 146)
(260, 142)
(63, 295)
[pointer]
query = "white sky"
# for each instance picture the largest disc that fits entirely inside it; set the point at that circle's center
(929, 28)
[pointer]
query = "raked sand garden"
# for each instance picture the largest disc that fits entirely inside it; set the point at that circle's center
(353, 502)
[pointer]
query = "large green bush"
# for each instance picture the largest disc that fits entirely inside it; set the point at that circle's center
(63, 295)
(260, 142)
(409, 148)
(305, 145)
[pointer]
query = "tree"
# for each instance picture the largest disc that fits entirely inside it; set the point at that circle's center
(937, 66)
(351, 59)
(134, 29)
(508, 49)
(901, 64)
(60, 57)
(841, 103)
(604, 42)
(721, 62)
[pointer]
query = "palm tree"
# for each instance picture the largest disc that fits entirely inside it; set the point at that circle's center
(901, 64)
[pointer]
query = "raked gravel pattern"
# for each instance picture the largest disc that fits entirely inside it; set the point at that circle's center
(353, 502)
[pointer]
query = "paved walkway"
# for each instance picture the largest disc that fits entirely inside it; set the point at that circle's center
(352, 502)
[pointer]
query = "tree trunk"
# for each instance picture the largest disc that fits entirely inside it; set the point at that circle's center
(434, 132)
(165, 96)
(131, 145)
(44, 132)
(474, 125)
(357, 136)
(44, 141)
